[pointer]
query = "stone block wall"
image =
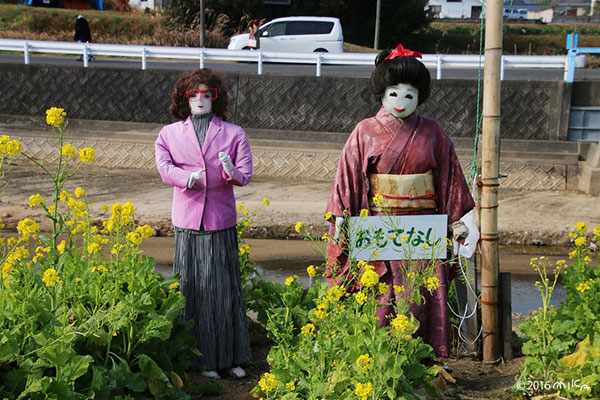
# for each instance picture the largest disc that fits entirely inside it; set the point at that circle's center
(291, 105)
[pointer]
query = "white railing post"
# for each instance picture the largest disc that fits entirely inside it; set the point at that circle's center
(86, 61)
(26, 52)
(319, 61)
(260, 62)
(502, 61)
(144, 58)
(202, 52)
(439, 67)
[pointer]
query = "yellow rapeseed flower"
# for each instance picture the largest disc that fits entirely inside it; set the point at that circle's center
(369, 279)
(312, 272)
(365, 362)
(581, 227)
(69, 151)
(328, 216)
(583, 287)
(597, 232)
(308, 330)
(291, 385)
(364, 213)
(61, 247)
(87, 155)
(244, 249)
(51, 278)
(55, 116)
(79, 192)
(383, 288)
(335, 293)
(377, 199)
(145, 231)
(401, 323)
(364, 391)
(10, 147)
(298, 226)
(268, 382)
(290, 279)
(93, 248)
(174, 285)
(266, 201)
(399, 289)
(360, 298)
(134, 238)
(580, 241)
(432, 283)
(27, 227)
(35, 200)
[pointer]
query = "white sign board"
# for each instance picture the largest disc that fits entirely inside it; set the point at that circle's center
(398, 237)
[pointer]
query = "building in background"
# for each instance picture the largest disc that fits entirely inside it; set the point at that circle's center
(464, 9)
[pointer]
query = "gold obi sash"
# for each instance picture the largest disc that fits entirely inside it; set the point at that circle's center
(402, 193)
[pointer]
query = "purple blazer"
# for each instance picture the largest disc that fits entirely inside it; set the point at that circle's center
(211, 199)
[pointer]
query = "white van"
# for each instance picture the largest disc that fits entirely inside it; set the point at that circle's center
(514, 13)
(299, 34)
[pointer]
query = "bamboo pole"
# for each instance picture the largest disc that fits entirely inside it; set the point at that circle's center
(490, 152)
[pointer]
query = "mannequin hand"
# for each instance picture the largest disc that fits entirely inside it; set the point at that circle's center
(339, 222)
(227, 164)
(459, 230)
(194, 176)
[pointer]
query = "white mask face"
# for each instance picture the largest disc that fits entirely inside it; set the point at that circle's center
(400, 100)
(199, 103)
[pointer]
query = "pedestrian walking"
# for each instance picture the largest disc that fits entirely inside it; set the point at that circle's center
(82, 34)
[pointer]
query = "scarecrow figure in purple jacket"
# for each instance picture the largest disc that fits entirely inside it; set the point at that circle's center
(203, 157)
(394, 143)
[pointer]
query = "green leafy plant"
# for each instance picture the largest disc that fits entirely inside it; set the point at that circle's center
(87, 317)
(563, 345)
(327, 340)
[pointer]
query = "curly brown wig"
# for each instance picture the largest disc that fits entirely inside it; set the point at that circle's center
(399, 70)
(180, 106)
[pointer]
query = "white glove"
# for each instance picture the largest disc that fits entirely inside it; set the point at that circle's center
(459, 232)
(339, 222)
(194, 177)
(227, 164)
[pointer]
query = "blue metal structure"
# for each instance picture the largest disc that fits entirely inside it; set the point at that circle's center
(573, 50)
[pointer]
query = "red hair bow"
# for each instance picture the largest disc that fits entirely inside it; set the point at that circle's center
(402, 52)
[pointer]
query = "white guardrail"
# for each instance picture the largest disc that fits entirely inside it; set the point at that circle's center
(207, 54)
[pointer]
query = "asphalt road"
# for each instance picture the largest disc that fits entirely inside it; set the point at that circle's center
(294, 69)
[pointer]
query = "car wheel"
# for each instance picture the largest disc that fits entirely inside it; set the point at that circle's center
(320, 51)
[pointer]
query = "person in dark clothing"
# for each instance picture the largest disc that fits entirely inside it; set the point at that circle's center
(82, 33)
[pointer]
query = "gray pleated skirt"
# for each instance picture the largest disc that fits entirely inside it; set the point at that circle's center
(210, 281)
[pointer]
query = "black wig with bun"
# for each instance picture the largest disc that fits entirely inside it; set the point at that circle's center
(399, 70)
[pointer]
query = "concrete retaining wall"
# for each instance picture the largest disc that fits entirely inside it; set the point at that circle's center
(290, 105)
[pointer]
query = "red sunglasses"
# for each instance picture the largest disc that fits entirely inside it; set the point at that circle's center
(195, 95)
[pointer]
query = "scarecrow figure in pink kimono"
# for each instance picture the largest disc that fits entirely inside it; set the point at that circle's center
(203, 157)
(380, 153)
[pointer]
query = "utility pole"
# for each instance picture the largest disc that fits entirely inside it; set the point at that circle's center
(377, 22)
(490, 168)
(202, 24)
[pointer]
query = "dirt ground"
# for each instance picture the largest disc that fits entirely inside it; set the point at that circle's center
(525, 218)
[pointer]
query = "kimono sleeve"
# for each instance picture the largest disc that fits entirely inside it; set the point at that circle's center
(349, 190)
(454, 196)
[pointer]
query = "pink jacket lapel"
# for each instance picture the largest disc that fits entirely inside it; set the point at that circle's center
(213, 131)
(190, 134)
